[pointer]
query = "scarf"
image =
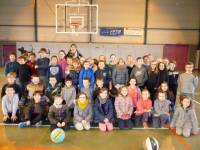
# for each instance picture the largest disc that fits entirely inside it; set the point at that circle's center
(102, 101)
(83, 105)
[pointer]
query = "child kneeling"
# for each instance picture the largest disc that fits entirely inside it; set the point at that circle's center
(161, 111)
(104, 111)
(143, 109)
(58, 114)
(82, 112)
(124, 108)
(185, 119)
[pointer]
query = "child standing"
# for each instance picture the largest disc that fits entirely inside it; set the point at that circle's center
(134, 92)
(143, 110)
(120, 74)
(153, 79)
(24, 73)
(103, 72)
(58, 114)
(185, 119)
(173, 77)
(86, 72)
(162, 73)
(54, 69)
(42, 65)
(124, 108)
(12, 65)
(82, 112)
(62, 61)
(10, 105)
(188, 82)
(113, 62)
(32, 63)
(104, 112)
(129, 63)
(74, 72)
(161, 111)
(140, 73)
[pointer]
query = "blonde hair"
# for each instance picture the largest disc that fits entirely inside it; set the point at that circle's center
(11, 74)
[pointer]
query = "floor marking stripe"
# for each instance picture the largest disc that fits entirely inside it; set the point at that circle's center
(3, 124)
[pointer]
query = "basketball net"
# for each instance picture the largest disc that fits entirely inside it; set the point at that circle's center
(75, 26)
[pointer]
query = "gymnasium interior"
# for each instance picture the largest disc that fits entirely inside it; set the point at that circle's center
(163, 28)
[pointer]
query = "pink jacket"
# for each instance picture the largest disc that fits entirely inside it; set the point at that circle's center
(124, 107)
(63, 64)
(135, 94)
(143, 106)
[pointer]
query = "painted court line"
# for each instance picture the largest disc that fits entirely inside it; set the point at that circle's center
(3, 124)
(196, 102)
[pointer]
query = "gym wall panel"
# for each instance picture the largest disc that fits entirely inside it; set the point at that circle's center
(172, 37)
(16, 12)
(16, 33)
(96, 49)
(121, 13)
(47, 12)
(120, 39)
(176, 14)
(49, 34)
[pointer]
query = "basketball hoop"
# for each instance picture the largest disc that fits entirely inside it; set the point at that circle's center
(75, 26)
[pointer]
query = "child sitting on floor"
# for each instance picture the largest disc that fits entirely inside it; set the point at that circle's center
(161, 111)
(124, 108)
(143, 109)
(83, 112)
(35, 112)
(104, 111)
(185, 119)
(10, 105)
(58, 114)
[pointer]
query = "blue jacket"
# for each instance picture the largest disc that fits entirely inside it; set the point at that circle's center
(86, 73)
(105, 74)
(173, 77)
(43, 64)
(103, 111)
(75, 76)
(12, 67)
(55, 70)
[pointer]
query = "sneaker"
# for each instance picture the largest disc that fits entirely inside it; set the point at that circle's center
(145, 125)
(38, 124)
(22, 125)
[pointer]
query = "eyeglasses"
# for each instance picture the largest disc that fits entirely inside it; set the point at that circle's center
(82, 97)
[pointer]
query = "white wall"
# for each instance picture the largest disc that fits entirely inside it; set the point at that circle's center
(96, 49)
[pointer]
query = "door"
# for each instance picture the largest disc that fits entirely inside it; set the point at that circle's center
(179, 53)
(7, 49)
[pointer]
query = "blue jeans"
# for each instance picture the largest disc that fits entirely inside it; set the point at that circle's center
(139, 119)
(160, 121)
(125, 124)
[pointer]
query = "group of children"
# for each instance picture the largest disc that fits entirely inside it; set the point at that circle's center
(70, 87)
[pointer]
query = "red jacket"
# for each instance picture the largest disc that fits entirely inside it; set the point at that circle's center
(143, 106)
(31, 65)
(135, 95)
